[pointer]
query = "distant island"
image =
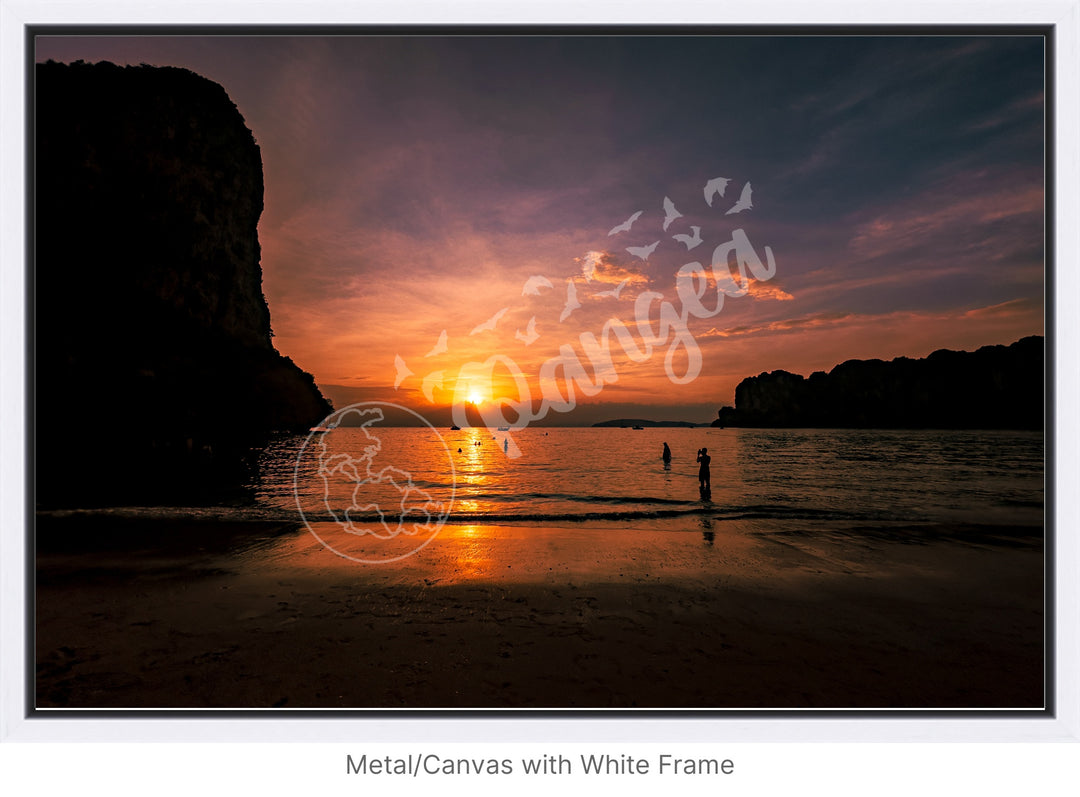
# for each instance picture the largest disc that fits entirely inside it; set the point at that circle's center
(995, 387)
(630, 423)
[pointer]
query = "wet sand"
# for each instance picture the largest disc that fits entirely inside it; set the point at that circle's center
(197, 614)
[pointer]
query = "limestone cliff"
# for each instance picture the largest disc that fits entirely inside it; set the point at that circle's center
(996, 387)
(154, 367)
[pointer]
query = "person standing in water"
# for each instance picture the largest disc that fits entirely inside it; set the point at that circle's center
(667, 454)
(704, 474)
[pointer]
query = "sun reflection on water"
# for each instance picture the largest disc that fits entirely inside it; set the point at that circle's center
(472, 551)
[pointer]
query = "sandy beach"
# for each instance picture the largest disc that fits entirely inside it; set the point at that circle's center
(677, 615)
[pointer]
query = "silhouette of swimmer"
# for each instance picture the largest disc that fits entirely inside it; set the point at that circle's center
(667, 453)
(506, 446)
(704, 474)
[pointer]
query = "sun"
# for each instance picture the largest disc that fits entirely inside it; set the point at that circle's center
(474, 398)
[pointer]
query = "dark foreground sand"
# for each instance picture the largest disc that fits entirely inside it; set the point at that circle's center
(137, 613)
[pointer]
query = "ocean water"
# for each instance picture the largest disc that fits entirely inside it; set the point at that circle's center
(572, 475)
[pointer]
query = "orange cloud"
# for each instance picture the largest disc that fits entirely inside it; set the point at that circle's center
(768, 291)
(599, 266)
(1016, 308)
(783, 325)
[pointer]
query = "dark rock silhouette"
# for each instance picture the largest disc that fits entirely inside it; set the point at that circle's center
(155, 373)
(996, 387)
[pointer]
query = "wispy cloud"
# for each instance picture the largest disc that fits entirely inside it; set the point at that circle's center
(954, 208)
(1013, 111)
(1025, 314)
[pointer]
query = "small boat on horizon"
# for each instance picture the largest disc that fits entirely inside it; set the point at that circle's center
(455, 428)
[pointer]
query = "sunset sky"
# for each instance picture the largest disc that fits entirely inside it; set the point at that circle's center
(414, 185)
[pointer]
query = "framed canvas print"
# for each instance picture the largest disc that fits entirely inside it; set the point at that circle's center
(558, 371)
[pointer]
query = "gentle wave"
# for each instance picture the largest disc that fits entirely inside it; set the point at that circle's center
(517, 498)
(584, 514)
(715, 511)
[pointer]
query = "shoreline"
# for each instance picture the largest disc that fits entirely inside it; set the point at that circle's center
(745, 615)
